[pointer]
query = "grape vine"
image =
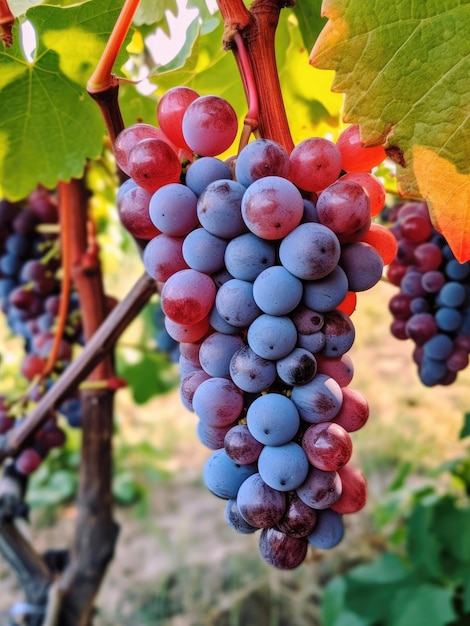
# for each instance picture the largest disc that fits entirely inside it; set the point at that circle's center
(258, 260)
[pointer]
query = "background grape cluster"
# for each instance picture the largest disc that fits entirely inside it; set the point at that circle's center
(432, 307)
(30, 292)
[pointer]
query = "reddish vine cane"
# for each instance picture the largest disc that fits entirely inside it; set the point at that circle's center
(7, 19)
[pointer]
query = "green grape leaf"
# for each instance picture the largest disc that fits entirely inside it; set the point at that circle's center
(424, 546)
(422, 604)
(465, 430)
(148, 377)
(308, 14)
(150, 12)
(49, 125)
(466, 596)
(404, 68)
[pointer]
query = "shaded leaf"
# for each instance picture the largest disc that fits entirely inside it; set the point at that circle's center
(405, 70)
(126, 490)
(465, 431)
(424, 546)
(149, 376)
(386, 569)
(422, 604)
(150, 12)
(308, 14)
(49, 125)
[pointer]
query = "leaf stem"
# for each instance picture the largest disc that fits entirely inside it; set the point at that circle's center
(102, 78)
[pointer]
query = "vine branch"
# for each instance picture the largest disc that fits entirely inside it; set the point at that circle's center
(258, 29)
(94, 351)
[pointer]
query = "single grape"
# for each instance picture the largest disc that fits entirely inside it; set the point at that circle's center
(315, 163)
(297, 368)
(356, 157)
(354, 493)
(281, 550)
(299, 519)
(133, 207)
(203, 251)
(319, 400)
(173, 209)
(188, 296)
(235, 303)
(276, 291)
(311, 251)
(273, 419)
(250, 372)
(219, 208)
(320, 489)
(271, 207)
(261, 158)
(170, 111)
(283, 467)
(217, 402)
(152, 163)
(328, 531)
(354, 411)
(247, 255)
(241, 446)
(163, 257)
(327, 446)
(204, 171)
(260, 505)
(223, 477)
(209, 125)
(272, 337)
(362, 264)
(326, 294)
(344, 207)
(216, 352)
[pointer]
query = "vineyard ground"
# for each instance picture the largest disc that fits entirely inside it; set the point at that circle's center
(180, 565)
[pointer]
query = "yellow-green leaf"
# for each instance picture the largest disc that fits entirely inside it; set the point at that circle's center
(405, 70)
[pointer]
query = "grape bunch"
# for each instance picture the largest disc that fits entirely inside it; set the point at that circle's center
(259, 258)
(432, 307)
(30, 294)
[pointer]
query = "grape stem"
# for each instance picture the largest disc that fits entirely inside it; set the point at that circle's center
(103, 85)
(65, 235)
(249, 85)
(258, 27)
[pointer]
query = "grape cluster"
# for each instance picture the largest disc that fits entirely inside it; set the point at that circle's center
(432, 307)
(30, 293)
(259, 259)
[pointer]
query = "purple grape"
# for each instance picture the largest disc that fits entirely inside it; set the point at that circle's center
(260, 505)
(328, 531)
(223, 477)
(281, 550)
